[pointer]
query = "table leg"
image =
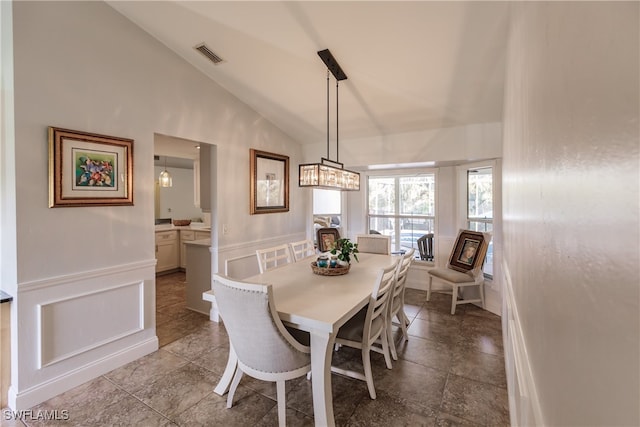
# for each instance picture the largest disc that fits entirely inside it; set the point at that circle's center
(321, 352)
(229, 372)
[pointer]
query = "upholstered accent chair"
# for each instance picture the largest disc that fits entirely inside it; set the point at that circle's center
(264, 347)
(464, 267)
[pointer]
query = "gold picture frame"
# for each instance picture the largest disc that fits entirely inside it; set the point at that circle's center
(87, 169)
(269, 182)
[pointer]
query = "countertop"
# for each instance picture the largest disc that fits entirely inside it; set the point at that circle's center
(195, 227)
(5, 297)
(200, 242)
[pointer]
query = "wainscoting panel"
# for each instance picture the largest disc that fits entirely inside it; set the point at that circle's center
(61, 335)
(75, 327)
(524, 407)
(241, 267)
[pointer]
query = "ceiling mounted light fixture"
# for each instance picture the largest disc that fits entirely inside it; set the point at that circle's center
(323, 175)
(165, 176)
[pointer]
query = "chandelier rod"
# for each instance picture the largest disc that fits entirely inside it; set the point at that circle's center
(328, 114)
(337, 131)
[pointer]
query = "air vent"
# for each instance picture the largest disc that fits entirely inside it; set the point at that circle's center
(203, 49)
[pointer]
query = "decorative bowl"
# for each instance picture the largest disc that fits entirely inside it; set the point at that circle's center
(181, 222)
(330, 271)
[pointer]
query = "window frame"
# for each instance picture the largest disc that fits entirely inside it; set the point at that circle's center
(463, 210)
(397, 218)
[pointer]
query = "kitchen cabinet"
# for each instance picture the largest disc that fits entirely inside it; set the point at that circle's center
(167, 250)
(189, 236)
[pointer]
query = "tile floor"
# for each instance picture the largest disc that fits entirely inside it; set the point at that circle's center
(450, 373)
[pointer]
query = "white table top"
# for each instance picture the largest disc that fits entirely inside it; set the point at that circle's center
(313, 302)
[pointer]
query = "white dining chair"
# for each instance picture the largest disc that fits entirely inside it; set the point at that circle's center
(374, 243)
(302, 249)
(461, 271)
(368, 326)
(264, 347)
(273, 257)
(396, 304)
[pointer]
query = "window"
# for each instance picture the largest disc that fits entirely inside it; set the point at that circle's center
(402, 207)
(480, 207)
(326, 209)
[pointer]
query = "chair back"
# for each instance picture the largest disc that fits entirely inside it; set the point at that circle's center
(374, 243)
(377, 311)
(397, 298)
(425, 247)
(271, 258)
(255, 331)
(302, 249)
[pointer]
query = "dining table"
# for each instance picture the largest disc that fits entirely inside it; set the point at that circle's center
(320, 305)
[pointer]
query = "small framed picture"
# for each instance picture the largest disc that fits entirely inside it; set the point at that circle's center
(269, 182)
(327, 238)
(469, 251)
(87, 169)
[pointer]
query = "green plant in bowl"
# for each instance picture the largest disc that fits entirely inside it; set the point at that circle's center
(344, 249)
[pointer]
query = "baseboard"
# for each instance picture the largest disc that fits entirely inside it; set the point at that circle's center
(41, 392)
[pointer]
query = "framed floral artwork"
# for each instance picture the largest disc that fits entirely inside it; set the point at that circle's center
(87, 169)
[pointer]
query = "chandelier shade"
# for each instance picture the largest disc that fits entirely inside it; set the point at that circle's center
(322, 175)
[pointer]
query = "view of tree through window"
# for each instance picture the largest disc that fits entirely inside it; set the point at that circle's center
(480, 207)
(402, 207)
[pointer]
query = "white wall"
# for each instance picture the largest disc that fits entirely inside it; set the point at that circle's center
(177, 201)
(571, 213)
(82, 66)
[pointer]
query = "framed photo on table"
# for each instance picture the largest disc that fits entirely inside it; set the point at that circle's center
(87, 169)
(327, 238)
(269, 182)
(468, 251)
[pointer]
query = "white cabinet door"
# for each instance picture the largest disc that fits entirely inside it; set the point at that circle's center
(167, 254)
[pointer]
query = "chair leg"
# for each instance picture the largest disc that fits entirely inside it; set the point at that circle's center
(385, 348)
(234, 386)
(282, 403)
(392, 344)
(429, 288)
(366, 363)
(454, 298)
(404, 322)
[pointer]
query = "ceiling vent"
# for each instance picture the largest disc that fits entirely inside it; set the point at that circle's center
(203, 49)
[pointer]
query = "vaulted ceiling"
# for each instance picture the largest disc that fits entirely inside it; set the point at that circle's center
(411, 66)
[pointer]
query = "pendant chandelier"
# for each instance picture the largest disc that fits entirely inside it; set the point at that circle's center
(329, 174)
(165, 176)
